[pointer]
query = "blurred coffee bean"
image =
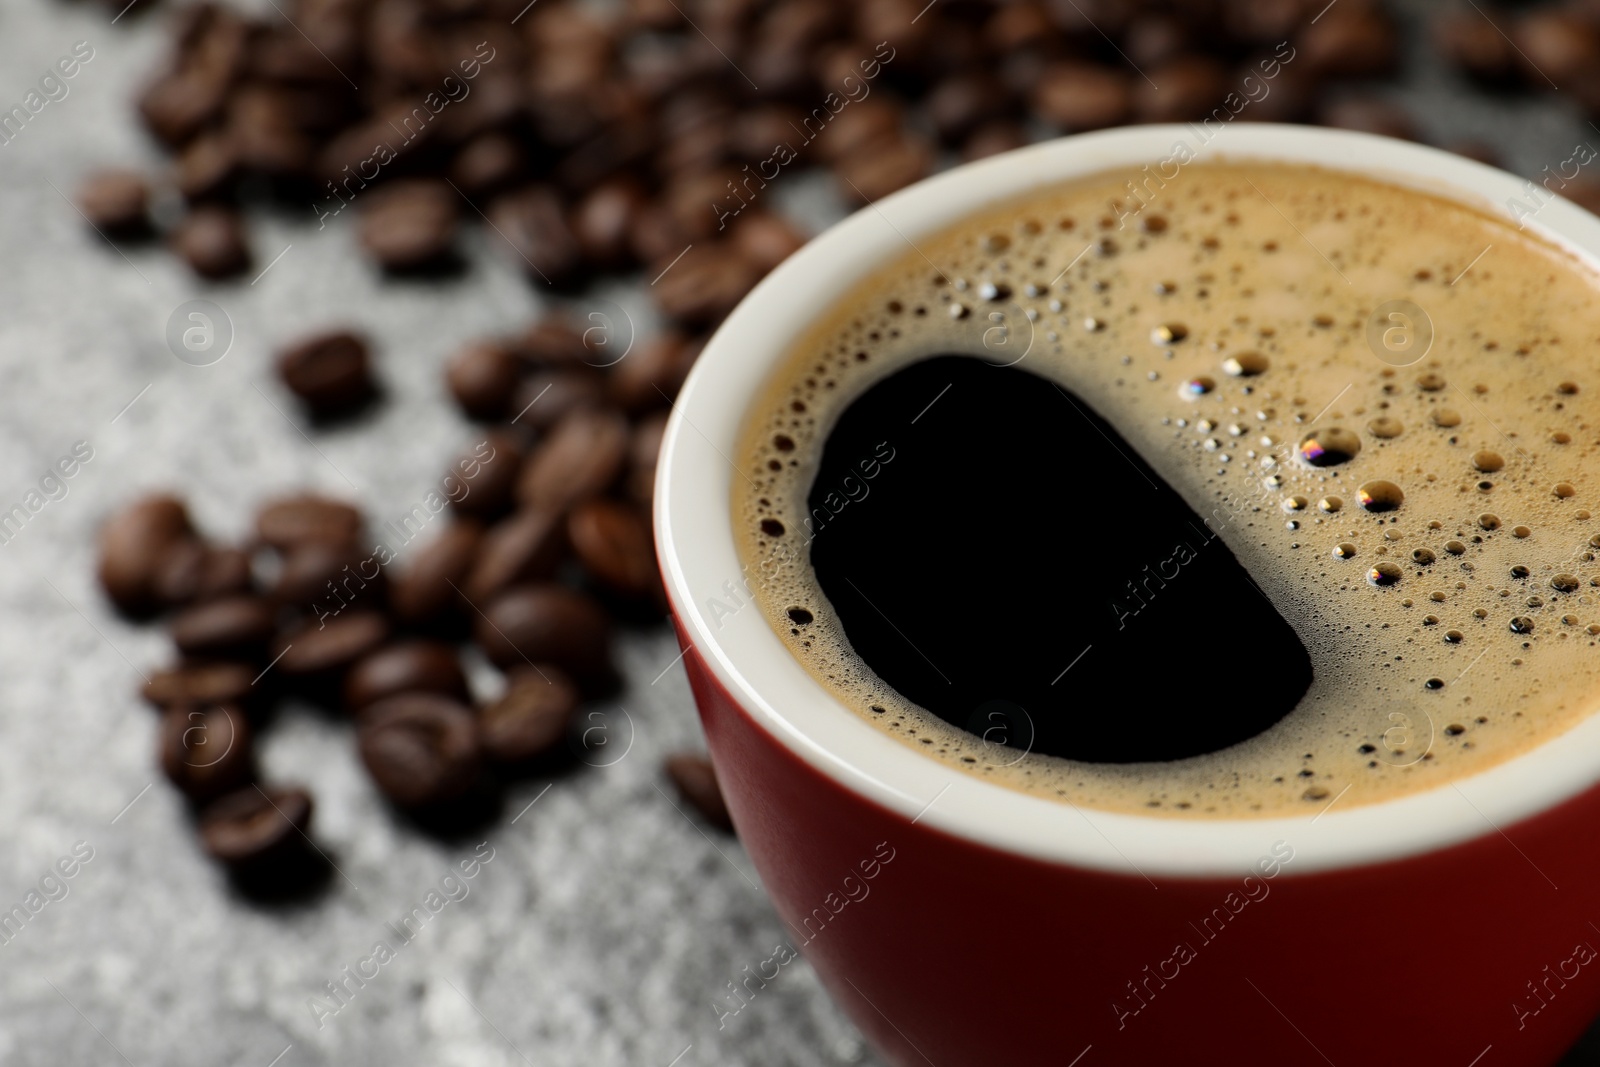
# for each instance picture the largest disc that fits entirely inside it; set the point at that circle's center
(486, 476)
(412, 666)
(551, 341)
(482, 377)
(614, 543)
(605, 219)
(546, 624)
(545, 397)
(207, 169)
(653, 372)
(962, 102)
(289, 521)
(420, 748)
(526, 547)
(883, 167)
(531, 718)
(193, 570)
(1369, 115)
(331, 373)
(1019, 25)
(487, 164)
(231, 627)
(425, 590)
(211, 240)
(133, 544)
(256, 826)
(864, 123)
(642, 453)
(329, 643)
(177, 106)
(993, 139)
(1191, 88)
(409, 225)
(696, 782)
(319, 576)
(1476, 45)
(764, 240)
(758, 131)
(262, 132)
(1078, 96)
(541, 242)
(1556, 46)
(1349, 41)
(116, 202)
(206, 751)
(200, 685)
(1155, 41)
(582, 457)
(708, 281)
(1263, 22)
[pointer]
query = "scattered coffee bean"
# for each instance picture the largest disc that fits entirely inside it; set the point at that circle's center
(331, 373)
(488, 472)
(232, 627)
(483, 379)
(255, 826)
(543, 245)
(409, 225)
(420, 748)
(116, 202)
(321, 576)
(546, 624)
(211, 240)
(410, 666)
(527, 547)
(531, 718)
(583, 457)
(318, 647)
(546, 396)
(653, 372)
(290, 521)
(696, 782)
(426, 590)
(205, 751)
(1076, 96)
(200, 684)
(192, 571)
(133, 545)
(614, 543)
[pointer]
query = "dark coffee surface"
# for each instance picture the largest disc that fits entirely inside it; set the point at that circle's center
(972, 578)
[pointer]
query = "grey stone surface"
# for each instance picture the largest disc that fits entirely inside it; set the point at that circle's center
(606, 922)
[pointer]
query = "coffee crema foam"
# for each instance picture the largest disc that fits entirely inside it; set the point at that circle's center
(1426, 529)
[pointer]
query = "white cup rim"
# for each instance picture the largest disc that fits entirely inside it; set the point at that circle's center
(695, 539)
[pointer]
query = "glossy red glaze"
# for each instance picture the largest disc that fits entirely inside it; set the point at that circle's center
(956, 954)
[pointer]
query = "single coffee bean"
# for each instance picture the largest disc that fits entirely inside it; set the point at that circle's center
(426, 591)
(614, 543)
(1192, 87)
(583, 457)
(410, 224)
(1154, 41)
(546, 624)
(552, 341)
(1560, 45)
(527, 547)
(868, 122)
(116, 202)
(200, 684)
(531, 718)
(962, 102)
(262, 130)
(1079, 96)
(192, 570)
(293, 520)
(1017, 26)
(412, 666)
(208, 168)
(884, 167)
(231, 627)
(420, 748)
(487, 164)
(322, 576)
(206, 751)
(487, 476)
(178, 105)
(211, 240)
(605, 219)
(546, 396)
(133, 544)
(765, 240)
(483, 378)
(703, 286)
(319, 647)
(1351, 42)
(254, 826)
(543, 245)
(696, 782)
(653, 372)
(331, 373)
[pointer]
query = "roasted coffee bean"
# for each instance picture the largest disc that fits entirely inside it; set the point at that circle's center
(531, 718)
(261, 128)
(200, 685)
(704, 284)
(420, 748)
(884, 167)
(211, 240)
(642, 453)
(1155, 41)
(1351, 41)
(323, 646)
(410, 225)
(546, 623)
(552, 341)
(255, 826)
(656, 237)
(992, 139)
(605, 219)
(230, 627)
(527, 547)
(1017, 26)
(1079, 96)
(545, 397)
(1192, 88)
(1370, 115)
(653, 372)
(488, 164)
(485, 477)
(1557, 45)
(614, 543)
(696, 782)
(407, 667)
(963, 102)
(483, 377)
(1476, 46)
(193, 571)
(116, 202)
(322, 576)
(207, 169)
(867, 122)
(532, 221)
(293, 520)
(177, 106)
(331, 373)
(425, 591)
(206, 751)
(133, 545)
(582, 457)
(765, 240)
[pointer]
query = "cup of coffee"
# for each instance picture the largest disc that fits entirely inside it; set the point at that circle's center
(1141, 595)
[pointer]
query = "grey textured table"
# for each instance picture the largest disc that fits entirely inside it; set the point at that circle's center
(606, 922)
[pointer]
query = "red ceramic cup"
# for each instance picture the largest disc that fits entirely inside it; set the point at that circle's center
(960, 923)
